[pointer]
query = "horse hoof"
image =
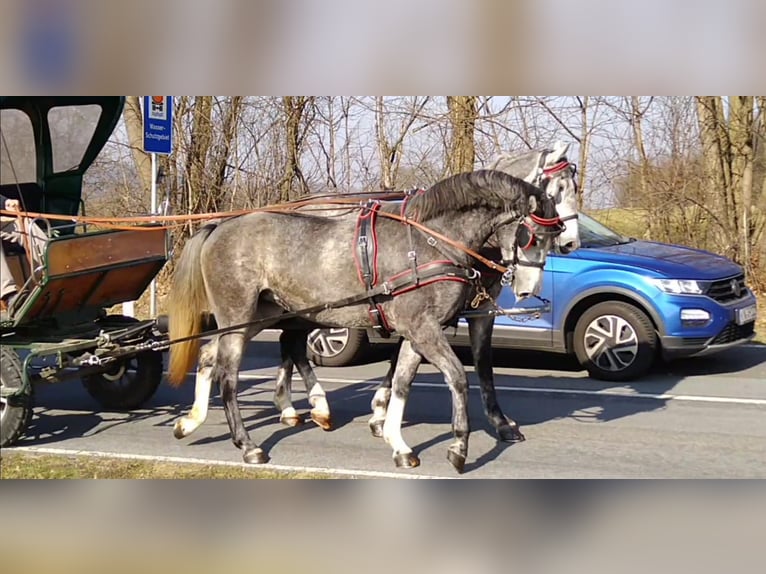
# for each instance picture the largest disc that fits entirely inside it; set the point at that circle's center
(324, 422)
(376, 428)
(294, 421)
(178, 430)
(457, 460)
(255, 456)
(510, 434)
(406, 460)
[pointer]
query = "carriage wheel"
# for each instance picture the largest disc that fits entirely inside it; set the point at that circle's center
(15, 412)
(129, 383)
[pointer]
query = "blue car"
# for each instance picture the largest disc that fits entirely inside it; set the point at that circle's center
(617, 304)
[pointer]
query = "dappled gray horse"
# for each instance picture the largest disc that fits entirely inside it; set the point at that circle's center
(548, 169)
(252, 271)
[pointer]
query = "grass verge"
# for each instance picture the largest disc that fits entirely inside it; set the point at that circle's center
(24, 465)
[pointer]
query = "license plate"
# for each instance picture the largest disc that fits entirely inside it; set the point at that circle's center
(746, 314)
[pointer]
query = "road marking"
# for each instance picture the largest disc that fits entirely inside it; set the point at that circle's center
(625, 394)
(340, 472)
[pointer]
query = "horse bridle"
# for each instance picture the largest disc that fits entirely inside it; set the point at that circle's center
(525, 238)
(544, 176)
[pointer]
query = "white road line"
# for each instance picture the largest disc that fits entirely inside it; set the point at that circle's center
(340, 472)
(551, 391)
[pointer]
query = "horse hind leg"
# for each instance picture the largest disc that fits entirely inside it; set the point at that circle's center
(320, 408)
(202, 386)
(225, 372)
(283, 390)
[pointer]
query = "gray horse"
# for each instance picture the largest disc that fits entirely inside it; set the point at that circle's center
(548, 169)
(253, 270)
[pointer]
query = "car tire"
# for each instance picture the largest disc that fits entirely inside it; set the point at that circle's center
(337, 347)
(615, 341)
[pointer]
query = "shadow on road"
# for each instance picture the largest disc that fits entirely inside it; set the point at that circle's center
(65, 414)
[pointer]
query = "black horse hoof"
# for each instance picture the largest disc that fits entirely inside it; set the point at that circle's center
(510, 433)
(255, 456)
(406, 460)
(457, 460)
(376, 428)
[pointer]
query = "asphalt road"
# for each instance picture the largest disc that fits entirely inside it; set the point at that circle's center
(699, 418)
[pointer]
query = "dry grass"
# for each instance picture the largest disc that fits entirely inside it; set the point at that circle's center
(20, 465)
(627, 221)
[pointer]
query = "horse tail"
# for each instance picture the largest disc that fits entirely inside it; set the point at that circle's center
(187, 300)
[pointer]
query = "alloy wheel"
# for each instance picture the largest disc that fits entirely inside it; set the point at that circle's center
(611, 343)
(328, 342)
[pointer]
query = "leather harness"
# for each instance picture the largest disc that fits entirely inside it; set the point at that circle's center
(416, 276)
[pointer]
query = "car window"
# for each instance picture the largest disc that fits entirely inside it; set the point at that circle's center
(594, 234)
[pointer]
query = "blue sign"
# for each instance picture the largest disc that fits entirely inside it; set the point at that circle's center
(158, 124)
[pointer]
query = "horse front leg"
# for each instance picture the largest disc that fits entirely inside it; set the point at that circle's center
(226, 373)
(380, 400)
(404, 373)
(202, 386)
(480, 333)
(295, 342)
(432, 344)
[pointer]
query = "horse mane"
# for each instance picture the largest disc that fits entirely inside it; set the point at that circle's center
(483, 188)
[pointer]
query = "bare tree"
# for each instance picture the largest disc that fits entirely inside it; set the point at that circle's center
(463, 112)
(134, 123)
(294, 110)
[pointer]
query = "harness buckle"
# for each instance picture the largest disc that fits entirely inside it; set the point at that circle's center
(387, 290)
(412, 256)
(431, 241)
(507, 279)
(362, 240)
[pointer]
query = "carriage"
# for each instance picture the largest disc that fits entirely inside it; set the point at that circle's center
(59, 326)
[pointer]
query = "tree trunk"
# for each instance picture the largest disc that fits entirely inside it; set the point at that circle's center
(196, 159)
(463, 113)
(716, 155)
(134, 125)
(582, 168)
(742, 157)
(222, 151)
(294, 107)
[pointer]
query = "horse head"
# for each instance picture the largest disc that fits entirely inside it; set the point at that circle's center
(549, 170)
(525, 245)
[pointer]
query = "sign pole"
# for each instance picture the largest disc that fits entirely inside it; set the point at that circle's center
(158, 139)
(153, 285)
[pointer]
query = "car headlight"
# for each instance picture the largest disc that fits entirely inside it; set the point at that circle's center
(679, 286)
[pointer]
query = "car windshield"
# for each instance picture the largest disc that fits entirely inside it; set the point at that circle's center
(594, 234)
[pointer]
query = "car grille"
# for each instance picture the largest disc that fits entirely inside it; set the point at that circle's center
(724, 290)
(733, 332)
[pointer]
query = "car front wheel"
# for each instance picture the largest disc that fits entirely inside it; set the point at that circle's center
(615, 341)
(337, 347)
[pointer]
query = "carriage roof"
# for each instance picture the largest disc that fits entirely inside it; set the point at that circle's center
(49, 142)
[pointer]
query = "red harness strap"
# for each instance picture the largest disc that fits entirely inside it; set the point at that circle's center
(366, 260)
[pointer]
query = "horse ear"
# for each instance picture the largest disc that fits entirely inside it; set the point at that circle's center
(532, 204)
(560, 150)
